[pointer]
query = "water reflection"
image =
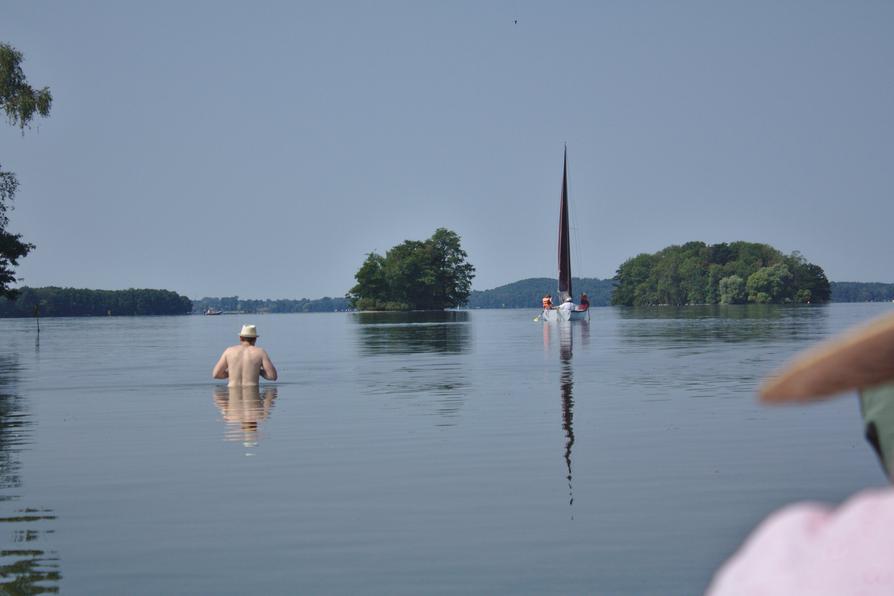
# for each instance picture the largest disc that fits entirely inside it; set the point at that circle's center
(724, 323)
(412, 332)
(566, 382)
(26, 567)
(242, 409)
(565, 330)
(431, 372)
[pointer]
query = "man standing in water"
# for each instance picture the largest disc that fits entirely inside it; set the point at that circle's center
(244, 363)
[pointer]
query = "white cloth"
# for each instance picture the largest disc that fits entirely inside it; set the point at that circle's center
(567, 307)
(811, 549)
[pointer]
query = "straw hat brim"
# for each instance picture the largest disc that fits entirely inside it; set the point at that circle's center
(860, 357)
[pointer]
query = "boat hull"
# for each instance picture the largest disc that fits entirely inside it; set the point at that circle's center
(557, 315)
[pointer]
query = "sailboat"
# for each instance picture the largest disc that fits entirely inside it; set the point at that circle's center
(564, 260)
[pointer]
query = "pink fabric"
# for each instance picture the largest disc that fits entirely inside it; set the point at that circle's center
(807, 548)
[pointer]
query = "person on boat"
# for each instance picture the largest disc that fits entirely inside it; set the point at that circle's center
(547, 302)
(584, 302)
(242, 364)
(567, 306)
(809, 548)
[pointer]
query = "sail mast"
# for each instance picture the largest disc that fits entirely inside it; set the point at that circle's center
(564, 241)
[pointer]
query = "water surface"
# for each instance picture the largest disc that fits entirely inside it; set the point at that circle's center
(461, 452)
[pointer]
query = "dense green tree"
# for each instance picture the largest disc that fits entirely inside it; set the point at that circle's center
(697, 273)
(810, 280)
(12, 248)
(449, 276)
(732, 290)
(21, 103)
(770, 285)
(634, 281)
(371, 277)
(415, 275)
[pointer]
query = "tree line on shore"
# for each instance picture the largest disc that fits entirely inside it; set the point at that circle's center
(859, 291)
(72, 302)
(235, 304)
(526, 293)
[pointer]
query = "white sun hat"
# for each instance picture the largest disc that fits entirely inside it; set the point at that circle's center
(248, 331)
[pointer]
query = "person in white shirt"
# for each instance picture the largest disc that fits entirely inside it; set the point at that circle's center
(567, 306)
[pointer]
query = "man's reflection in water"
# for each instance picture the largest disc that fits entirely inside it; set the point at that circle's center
(243, 408)
(566, 382)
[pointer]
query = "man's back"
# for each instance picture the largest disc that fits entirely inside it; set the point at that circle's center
(244, 364)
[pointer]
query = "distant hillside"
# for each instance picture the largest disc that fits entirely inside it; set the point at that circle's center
(858, 291)
(528, 292)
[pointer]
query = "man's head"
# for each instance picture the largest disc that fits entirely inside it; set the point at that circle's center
(249, 334)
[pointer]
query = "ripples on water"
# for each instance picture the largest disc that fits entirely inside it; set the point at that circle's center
(440, 453)
(27, 564)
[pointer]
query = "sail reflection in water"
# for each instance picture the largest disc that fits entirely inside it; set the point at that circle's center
(243, 409)
(431, 372)
(26, 566)
(565, 330)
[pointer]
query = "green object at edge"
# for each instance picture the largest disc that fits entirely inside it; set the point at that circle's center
(877, 407)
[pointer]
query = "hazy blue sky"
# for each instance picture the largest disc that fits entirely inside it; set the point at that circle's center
(262, 148)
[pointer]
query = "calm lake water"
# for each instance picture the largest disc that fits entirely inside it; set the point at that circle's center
(459, 453)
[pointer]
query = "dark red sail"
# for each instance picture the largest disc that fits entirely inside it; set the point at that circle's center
(564, 238)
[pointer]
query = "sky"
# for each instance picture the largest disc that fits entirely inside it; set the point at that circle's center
(263, 149)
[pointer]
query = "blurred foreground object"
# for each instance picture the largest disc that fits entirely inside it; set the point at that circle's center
(877, 407)
(810, 549)
(860, 358)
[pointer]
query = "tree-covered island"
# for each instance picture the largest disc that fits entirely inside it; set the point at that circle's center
(734, 273)
(416, 275)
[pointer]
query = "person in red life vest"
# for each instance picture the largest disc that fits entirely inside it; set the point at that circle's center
(584, 302)
(547, 302)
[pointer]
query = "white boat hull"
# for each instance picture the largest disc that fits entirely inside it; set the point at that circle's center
(559, 315)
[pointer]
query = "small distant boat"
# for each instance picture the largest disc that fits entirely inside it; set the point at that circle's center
(212, 311)
(564, 260)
